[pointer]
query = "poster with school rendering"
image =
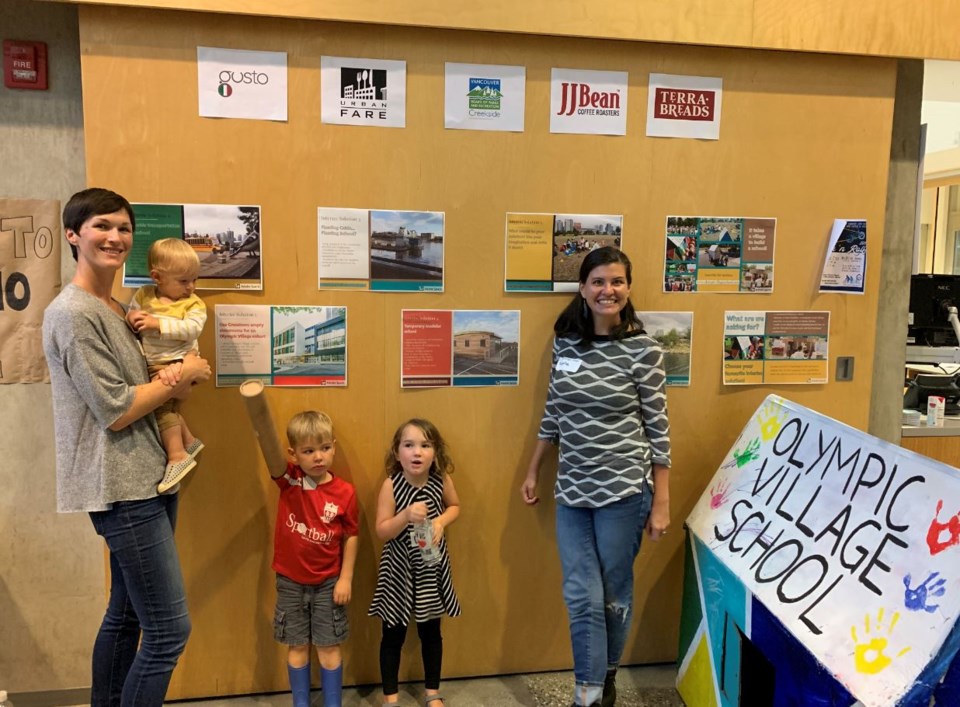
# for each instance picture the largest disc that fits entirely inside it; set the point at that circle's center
(821, 562)
(281, 345)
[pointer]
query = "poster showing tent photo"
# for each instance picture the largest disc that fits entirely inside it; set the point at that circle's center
(727, 254)
(226, 238)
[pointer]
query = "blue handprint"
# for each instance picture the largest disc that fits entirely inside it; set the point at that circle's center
(916, 599)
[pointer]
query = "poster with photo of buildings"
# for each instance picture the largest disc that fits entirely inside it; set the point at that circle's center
(379, 250)
(226, 238)
(461, 347)
(281, 345)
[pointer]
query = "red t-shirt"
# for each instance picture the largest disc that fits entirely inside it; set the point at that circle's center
(312, 524)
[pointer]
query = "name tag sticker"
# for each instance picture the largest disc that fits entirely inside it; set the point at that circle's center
(570, 365)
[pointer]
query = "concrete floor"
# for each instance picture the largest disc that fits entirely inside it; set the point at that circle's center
(646, 686)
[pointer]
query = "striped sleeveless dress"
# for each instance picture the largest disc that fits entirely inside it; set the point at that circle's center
(405, 586)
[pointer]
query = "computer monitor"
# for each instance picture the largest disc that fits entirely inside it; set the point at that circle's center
(924, 385)
(930, 295)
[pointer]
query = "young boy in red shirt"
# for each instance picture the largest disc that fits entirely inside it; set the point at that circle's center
(314, 552)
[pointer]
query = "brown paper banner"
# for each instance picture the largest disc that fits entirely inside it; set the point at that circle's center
(29, 280)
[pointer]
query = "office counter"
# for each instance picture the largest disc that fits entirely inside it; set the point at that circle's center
(940, 443)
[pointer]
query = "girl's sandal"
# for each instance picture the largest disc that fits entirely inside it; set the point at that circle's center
(433, 698)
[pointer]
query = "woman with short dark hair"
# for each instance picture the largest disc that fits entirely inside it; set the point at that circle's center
(109, 455)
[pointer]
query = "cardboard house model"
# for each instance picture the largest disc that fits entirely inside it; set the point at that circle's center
(823, 568)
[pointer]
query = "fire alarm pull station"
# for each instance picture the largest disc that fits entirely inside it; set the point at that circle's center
(24, 64)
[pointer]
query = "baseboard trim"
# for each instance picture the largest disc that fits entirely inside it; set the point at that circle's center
(52, 698)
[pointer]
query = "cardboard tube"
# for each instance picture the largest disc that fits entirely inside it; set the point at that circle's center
(262, 420)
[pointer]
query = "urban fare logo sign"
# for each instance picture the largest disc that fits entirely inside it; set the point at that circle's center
(363, 93)
(227, 78)
(684, 104)
(579, 98)
(484, 97)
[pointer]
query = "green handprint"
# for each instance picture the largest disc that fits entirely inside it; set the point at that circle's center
(745, 456)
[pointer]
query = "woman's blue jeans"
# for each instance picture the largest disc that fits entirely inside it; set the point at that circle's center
(146, 597)
(597, 549)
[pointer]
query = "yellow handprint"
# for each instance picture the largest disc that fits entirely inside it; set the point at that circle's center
(868, 657)
(771, 418)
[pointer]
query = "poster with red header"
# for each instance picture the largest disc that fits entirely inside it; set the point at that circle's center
(462, 347)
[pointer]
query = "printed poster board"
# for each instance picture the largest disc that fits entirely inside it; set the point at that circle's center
(379, 250)
(762, 348)
(674, 332)
(459, 347)
(543, 252)
(719, 254)
(281, 345)
(845, 265)
(226, 238)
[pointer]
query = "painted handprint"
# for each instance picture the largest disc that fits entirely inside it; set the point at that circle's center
(869, 656)
(719, 494)
(771, 418)
(915, 598)
(936, 529)
(748, 454)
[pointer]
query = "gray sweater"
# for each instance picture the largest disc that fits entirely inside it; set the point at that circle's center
(95, 363)
(607, 409)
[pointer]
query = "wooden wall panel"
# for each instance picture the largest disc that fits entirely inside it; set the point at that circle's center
(899, 28)
(805, 138)
(879, 27)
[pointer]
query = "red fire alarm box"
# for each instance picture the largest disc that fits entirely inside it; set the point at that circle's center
(24, 64)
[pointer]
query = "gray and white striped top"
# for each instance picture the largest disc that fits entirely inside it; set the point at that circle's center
(607, 409)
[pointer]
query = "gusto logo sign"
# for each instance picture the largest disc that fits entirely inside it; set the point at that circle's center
(228, 77)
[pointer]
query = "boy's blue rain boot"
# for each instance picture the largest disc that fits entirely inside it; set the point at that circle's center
(331, 682)
(300, 685)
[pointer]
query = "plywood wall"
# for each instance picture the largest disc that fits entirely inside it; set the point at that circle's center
(805, 139)
(886, 28)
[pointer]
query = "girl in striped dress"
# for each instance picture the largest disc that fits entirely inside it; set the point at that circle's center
(418, 490)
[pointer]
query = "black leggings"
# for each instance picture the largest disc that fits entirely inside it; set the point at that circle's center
(431, 646)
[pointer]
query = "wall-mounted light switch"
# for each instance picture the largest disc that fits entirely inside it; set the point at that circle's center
(844, 368)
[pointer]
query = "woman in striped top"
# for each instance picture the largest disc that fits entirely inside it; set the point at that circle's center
(415, 582)
(607, 410)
